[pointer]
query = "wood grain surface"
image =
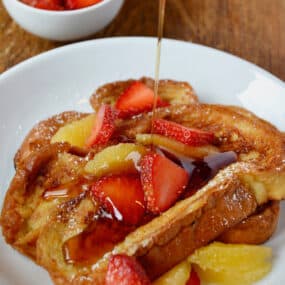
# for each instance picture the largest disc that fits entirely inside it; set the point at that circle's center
(251, 29)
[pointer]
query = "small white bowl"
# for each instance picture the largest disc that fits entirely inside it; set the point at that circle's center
(63, 25)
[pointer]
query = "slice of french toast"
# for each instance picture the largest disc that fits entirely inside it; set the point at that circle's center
(40, 230)
(183, 93)
(171, 91)
(257, 228)
(38, 165)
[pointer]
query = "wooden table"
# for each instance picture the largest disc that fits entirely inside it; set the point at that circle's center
(251, 29)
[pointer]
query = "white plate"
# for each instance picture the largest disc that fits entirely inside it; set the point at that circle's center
(64, 79)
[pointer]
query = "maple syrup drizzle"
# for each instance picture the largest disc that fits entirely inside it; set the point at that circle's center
(68, 190)
(161, 16)
(105, 230)
(89, 246)
(203, 170)
(100, 237)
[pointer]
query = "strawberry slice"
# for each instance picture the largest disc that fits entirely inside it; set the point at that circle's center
(125, 270)
(188, 136)
(122, 196)
(137, 98)
(45, 4)
(78, 4)
(193, 278)
(163, 181)
(103, 128)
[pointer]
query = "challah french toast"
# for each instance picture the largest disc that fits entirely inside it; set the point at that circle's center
(50, 202)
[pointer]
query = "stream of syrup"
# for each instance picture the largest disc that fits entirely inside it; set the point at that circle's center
(161, 16)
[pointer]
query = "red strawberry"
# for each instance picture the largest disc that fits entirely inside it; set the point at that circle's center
(45, 4)
(193, 278)
(163, 181)
(193, 137)
(122, 196)
(103, 128)
(77, 4)
(125, 270)
(137, 98)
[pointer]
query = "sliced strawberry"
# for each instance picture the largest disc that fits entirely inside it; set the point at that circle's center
(188, 136)
(137, 98)
(125, 270)
(122, 196)
(45, 4)
(77, 4)
(103, 128)
(193, 278)
(163, 181)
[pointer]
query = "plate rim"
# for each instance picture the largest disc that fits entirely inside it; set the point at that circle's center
(53, 52)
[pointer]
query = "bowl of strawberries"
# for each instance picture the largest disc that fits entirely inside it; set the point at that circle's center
(63, 20)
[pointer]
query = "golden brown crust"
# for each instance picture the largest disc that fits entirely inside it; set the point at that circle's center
(223, 210)
(237, 132)
(35, 173)
(257, 228)
(171, 91)
(11, 218)
(32, 158)
(41, 133)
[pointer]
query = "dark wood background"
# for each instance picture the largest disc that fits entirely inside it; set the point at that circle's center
(251, 29)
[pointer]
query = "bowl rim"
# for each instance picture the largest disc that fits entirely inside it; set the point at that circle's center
(29, 8)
